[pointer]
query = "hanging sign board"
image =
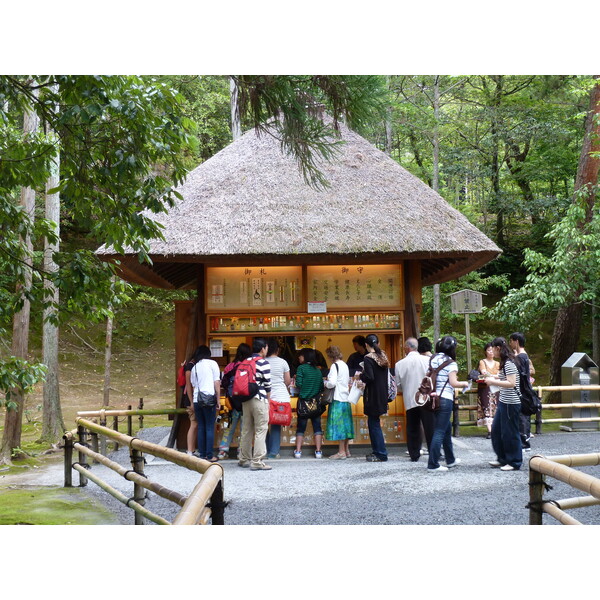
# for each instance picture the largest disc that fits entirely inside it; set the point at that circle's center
(253, 288)
(317, 307)
(466, 302)
(355, 286)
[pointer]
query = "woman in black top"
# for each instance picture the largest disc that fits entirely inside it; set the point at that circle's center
(375, 396)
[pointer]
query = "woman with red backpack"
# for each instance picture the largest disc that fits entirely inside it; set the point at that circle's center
(235, 411)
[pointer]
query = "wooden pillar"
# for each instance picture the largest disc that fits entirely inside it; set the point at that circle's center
(412, 298)
(201, 306)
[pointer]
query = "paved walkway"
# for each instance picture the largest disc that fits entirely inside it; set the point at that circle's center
(308, 491)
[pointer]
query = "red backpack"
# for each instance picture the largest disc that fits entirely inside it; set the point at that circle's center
(244, 386)
(181, 376)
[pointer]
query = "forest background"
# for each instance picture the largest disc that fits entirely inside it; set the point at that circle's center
(507, 151)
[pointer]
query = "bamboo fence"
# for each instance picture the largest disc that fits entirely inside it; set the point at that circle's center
(538, 418)
(561, 469)
(204, 504)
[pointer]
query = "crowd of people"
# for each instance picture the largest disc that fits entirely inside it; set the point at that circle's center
(428, 433)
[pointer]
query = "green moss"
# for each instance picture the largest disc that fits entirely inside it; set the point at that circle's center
(51, 506)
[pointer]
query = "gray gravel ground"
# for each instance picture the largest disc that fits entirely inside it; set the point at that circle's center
(354, 491)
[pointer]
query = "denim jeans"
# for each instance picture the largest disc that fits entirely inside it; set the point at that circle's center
(442, 435)
(206, 429)
(377, 439)
(236, 417)
(274, 439)
(506, 438)
(303, 421)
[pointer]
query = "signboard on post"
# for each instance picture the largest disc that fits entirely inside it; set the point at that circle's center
(467, 302)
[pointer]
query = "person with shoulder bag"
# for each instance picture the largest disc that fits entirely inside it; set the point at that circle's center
(309, 382)
(375, 376)
(506, 435)
(445, 384)
(280, 382)
(206, 381)
(340, 426)
(242, 353)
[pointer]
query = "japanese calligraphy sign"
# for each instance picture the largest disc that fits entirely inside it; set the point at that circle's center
(355, 286)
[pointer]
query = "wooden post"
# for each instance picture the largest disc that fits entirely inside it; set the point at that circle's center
(102, 438)
(68, 461)
(217, 506)
(538, 415)
(536, 493)
(94, 443)
(82, 459)
(468, 339)
(129, 423)
(141, 407)
(116, 428)
(139, 495)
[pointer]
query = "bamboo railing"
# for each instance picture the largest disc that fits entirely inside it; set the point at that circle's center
(561, 469)
(538, 418)
(203, 504)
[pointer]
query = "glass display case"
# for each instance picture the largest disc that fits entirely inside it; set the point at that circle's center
(305, 322)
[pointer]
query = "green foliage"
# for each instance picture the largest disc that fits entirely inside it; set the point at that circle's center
(569, 275)
(122, 145)
(288, 107)
(16, 373)
(451, 324)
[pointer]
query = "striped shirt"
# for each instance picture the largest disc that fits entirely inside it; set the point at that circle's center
(263, 376)
(509, 395)
(442, 381)
(309, 381)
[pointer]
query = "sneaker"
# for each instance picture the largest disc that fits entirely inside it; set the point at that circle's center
(528, 449)
(261, 467)
(495, 463)
(457, 461)
(244, 464)
(440, 469)
(272, 456)
(297, 454)
(507, 468)
(375, 458)
(318, 454)
(222, 455)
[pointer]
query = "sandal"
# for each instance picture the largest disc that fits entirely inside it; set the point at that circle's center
(338, 456)
(348, 455)
(213, 459)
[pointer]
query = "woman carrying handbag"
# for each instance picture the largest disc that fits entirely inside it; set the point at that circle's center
(375, 397)
(280, 381)
(309, 382)
(340, 426)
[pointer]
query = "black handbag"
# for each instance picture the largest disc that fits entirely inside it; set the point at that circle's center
(309, 408)
(206, 400)
(325, 396)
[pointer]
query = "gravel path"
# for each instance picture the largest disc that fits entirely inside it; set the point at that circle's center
(325, 492)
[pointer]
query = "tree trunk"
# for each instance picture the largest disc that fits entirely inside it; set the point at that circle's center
(388, 124)
(107, 361)
(236, 128)
(568, 321)
(53, 425)
(11, 438)
(436, 180)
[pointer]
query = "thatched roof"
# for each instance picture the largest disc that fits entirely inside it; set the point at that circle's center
(249, 204)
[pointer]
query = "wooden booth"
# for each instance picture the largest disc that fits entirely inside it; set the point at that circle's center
(269, 255)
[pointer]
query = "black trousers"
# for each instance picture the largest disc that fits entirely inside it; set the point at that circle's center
(415, 417)
(525, 430)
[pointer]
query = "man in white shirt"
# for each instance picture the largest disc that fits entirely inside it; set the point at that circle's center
(409, 373)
